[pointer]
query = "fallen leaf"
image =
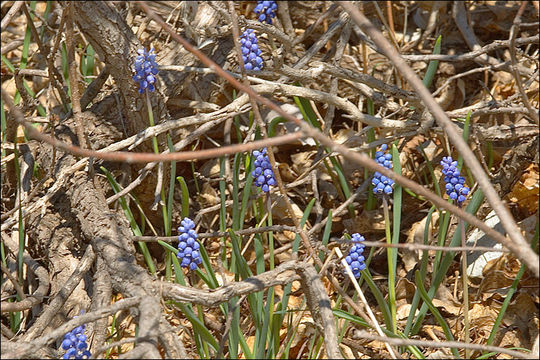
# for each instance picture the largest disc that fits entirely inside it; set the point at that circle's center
(416, 236)
(525, 192)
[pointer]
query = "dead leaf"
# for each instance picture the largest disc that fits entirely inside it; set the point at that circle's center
(525, 192)
(279, 211)
(208, 195)
(416, 236)
(447, 306)
(403, 311)
(494, 281)
(287, 173)
(301, 162)
(367, 221)
(210, 168)
(482, 316)
(405, 289)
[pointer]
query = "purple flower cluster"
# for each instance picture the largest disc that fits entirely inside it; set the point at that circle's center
(263, 173)
(355, 259)
(145, 70)
(455, 187)
(266, 11)
(188, 246)
(75, 344)
(380, 182)
(251, 54)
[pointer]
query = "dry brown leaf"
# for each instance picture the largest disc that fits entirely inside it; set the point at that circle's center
(347, 351)
(280, 212)
(343, 135)
(328, 193)
(306, 329)
(210, 168)
(525, 192)
(302, 161)
(403, 311)
(405, 289)
(208, 195)
(494, 282)
(416, 236)
(447, 306)
(521, 311)
(285, 236)
(367, 221)
(482, 316)
(287, 173)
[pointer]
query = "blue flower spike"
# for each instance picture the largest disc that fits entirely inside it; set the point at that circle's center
(146, 69)
(382, 184)
(188, 246)
(455, 183)
(251, 54)
(266, 11)
(355, 259)
(263, 173)
(75, 344)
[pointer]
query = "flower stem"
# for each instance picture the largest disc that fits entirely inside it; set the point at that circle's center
(270, 233)
(151, 121)
(391, 269)
(465, 279)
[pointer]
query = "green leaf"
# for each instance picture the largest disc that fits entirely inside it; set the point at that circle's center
(434, 311)
(433, 64)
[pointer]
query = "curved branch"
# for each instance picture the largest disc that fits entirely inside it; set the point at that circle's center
(58, 301)
(42, 275)
(24, 348)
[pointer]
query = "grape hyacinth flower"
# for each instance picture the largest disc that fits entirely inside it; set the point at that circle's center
(263, 173)
(251, 54)
(188, 246)
(75, 344)
(380, 182)
(266, 11)
(455, 187)
(146, 69)
(355, 259)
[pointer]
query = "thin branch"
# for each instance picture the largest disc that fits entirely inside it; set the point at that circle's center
(148, 157)
(533, 113)
(23, 348)
(74, 77)
(217, 234)
(497, 44)
(56, 79)
(56, 303)
(437, 344)
(422, 247)
(42, 274)
(11, 12)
